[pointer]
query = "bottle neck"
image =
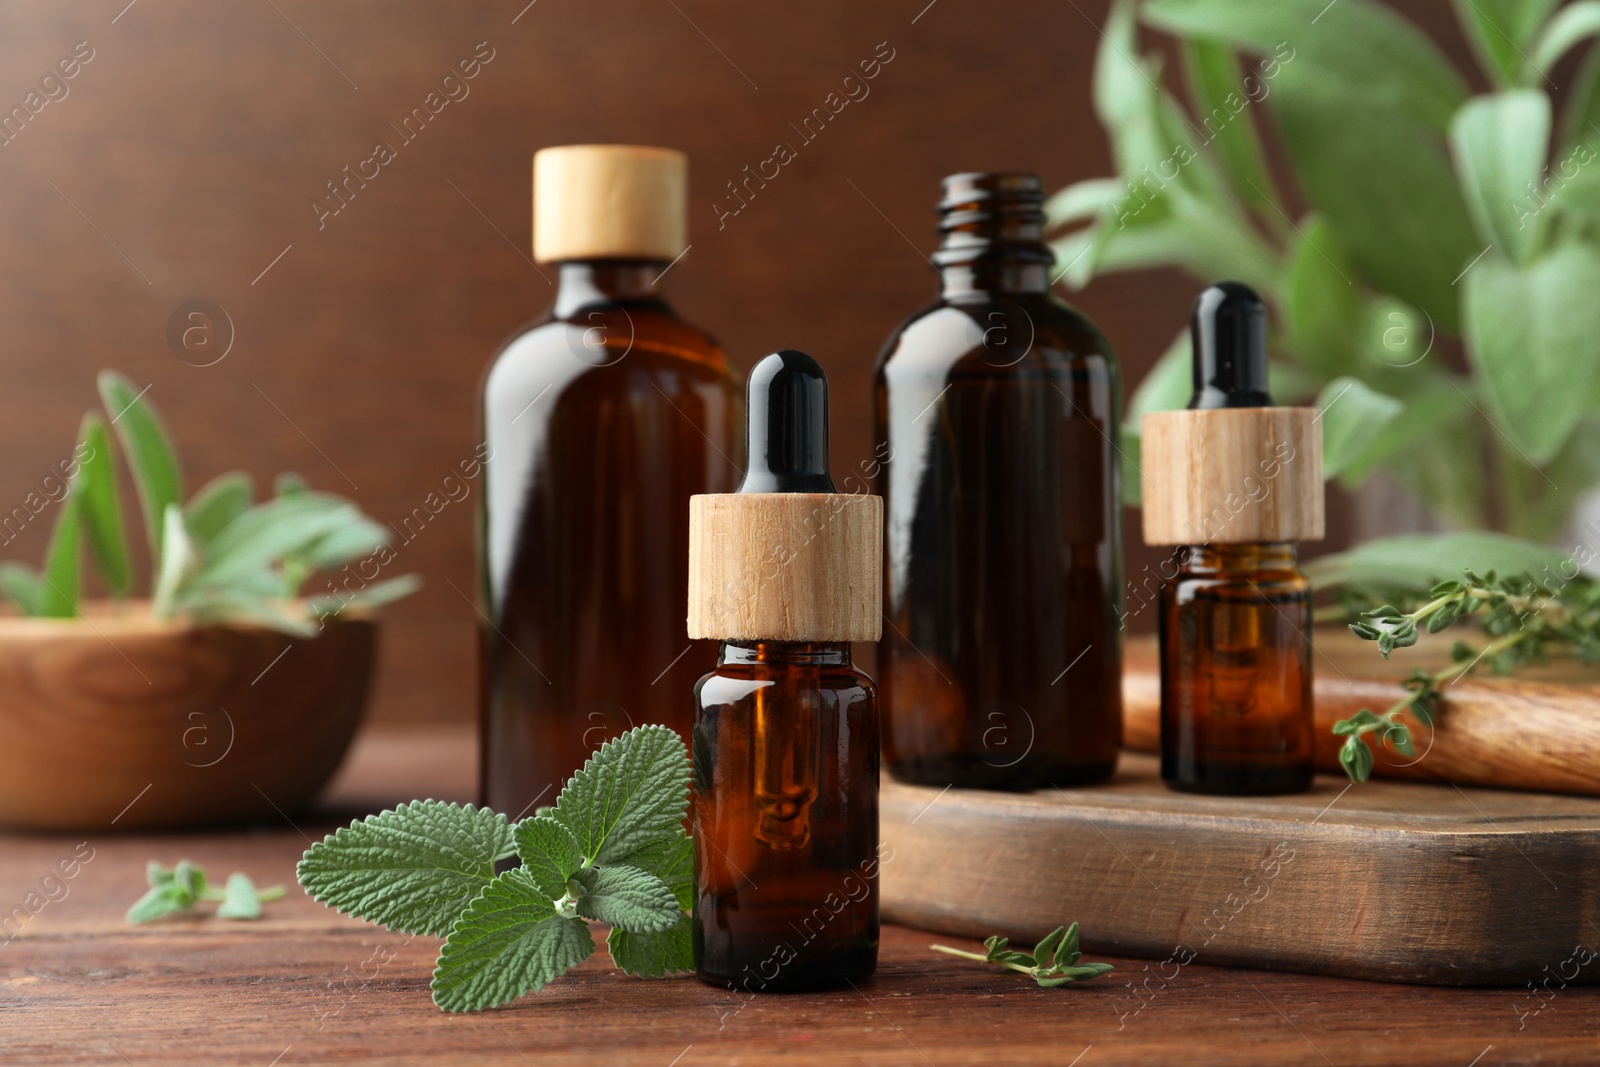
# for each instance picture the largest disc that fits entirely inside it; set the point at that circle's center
(1234, 559)
(993, 228)
(785, 653)
(607, 281)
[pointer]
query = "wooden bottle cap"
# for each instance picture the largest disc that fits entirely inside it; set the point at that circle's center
(609, 202)
(788, 557)
(1232, 468)
(785, 567)
(1232, 476)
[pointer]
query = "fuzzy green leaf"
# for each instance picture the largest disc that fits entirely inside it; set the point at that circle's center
(22, 586)
(673, 863)
(508, 942)
(412, 869)
(1356, 758)
(179, 559)
(549, 853)
(58, 591)
(653, 955)
(1218, 90)
(629, 796)
(159, 901)
(1499, 143)
(628, 898)
(1502, 31)
(1322, 305)
(373, 596)
(217, 504)
(1530, 331)
(241, 901)
(1045, 950)
(101, 506)
(285, 526)
(1572, 24)
(1417, 562)
(1356, 47)
(149, 452)
(1352, 416)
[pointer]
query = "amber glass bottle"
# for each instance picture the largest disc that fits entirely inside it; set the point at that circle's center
(786, 818)
(1236, 671)
(1238, 481)
(786, 572)
(601, 421)
(997, 408)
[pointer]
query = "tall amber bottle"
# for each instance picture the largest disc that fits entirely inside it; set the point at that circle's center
(600, 421)
(785, 573)
(1236, 481)
(997, 409)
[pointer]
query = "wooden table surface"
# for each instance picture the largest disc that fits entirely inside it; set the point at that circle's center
(305, 985)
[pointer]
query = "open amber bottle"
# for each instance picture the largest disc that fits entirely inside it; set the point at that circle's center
(1237, 482)
(600, 422)
(997, 409)
(786, 573)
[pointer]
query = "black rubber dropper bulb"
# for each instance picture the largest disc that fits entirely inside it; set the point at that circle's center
(787, 410)
(1229, 331)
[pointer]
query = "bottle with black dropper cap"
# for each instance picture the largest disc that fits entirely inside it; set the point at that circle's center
(785, 573)
(1235, 482)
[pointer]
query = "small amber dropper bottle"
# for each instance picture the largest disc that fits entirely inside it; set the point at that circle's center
(1237, 482)
(785, 573)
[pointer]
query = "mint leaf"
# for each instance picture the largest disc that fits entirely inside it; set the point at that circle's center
(190, 878)
(673, 863)
(508, 942)
(629, 795)
(159, 901)
(669, 951)
(241, 900)
(653, 955)
(628, 898)
(413, 869)
(549, 853)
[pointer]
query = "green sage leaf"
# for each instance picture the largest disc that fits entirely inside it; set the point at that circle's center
(149, 451)
(100, 504)
(1500, 143)
(1530, 332)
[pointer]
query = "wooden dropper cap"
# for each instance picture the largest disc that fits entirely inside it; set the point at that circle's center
(1232, 468)
(609, 201)
(788, 557)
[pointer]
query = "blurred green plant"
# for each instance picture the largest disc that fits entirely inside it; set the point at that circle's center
(1432, 211)
(218, 558)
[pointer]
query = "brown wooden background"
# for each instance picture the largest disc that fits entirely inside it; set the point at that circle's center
(189, 149)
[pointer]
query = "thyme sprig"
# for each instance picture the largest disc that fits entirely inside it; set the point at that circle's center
(1053, 961)
(1524, 620)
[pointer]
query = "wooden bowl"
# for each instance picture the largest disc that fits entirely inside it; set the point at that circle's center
(120, 721)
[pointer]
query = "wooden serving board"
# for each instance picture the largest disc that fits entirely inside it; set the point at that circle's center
(1538, 728)
(1394, 881)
